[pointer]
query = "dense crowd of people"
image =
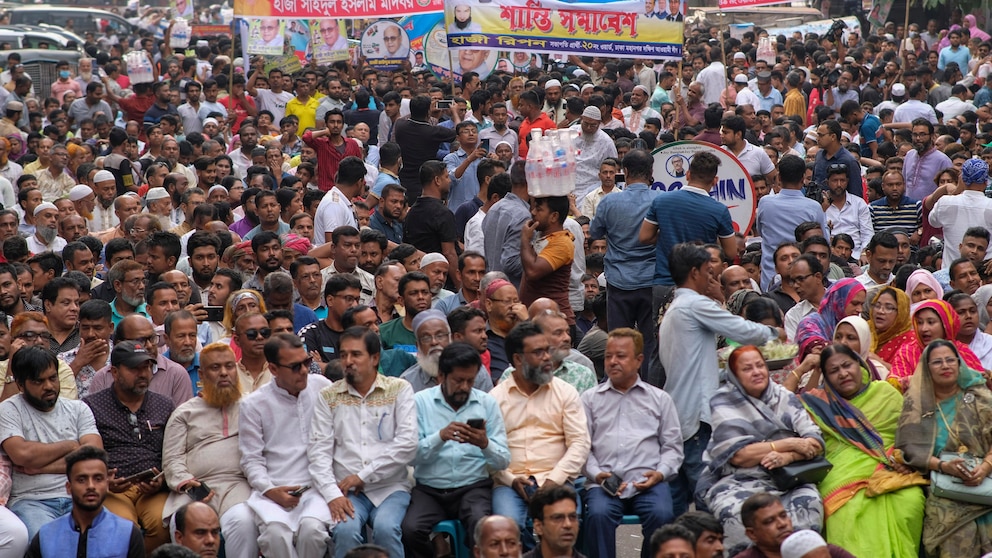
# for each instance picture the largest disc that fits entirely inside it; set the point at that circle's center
(320, 313)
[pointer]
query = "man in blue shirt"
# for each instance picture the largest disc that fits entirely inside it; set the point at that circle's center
(831, 151)
(180, 334)
(629, 264)
(462, 165)
(780, 214)
(461, 438)
(869, 127)
(689, 214)
(954, 52)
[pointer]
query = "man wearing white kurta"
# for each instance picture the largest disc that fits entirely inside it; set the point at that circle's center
(273, 438)
(364, 436)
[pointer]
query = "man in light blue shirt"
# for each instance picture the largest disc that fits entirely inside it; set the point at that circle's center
(687, 350)
(780, 214)
(629, 265)
(463, 164)
(461, 439)
(954, 53)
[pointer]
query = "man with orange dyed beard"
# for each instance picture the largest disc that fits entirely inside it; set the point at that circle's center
(201, 459)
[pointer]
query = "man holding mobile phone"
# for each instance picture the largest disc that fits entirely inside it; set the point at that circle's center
(630, 471)
(462, 438)
(462, 164)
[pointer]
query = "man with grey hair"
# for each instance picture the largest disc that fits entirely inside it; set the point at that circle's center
(434, 334)
(497, 536)
(592, 147)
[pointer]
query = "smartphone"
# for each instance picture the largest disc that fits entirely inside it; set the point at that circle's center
(485, 144)
(299, 491)
(476, 423)
(612, 484)
(198, 493)
(144, 476)
(445, 103)
(620, 178)
(214, 313)
(531, 487)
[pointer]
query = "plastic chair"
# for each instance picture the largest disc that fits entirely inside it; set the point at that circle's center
(455, 530)
(631, 520)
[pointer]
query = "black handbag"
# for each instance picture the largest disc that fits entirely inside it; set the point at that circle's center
(808, 471)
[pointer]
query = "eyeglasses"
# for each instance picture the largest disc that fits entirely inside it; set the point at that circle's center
(297, 366)
(30, 336)
(561, 517)
(253, 334)
(799, 278)
(884, 308)
(136, 281)
(539, 353)
(937, 363)
(143, 340)
(837, 167)
(347, 298)
(390, 39)
(438, 337)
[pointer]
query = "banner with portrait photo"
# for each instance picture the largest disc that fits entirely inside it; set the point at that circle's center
(316, 9)
(266, 36)
(385, 45)
(329, 42)
(417, 29)
(182, 8)
(652, 29)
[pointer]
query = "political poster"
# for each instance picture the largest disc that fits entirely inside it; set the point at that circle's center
(182, 8)
(732, 4)
(317, 9)
(417, 28)
(266, 36)
(652, 29)
(385, 45)
(733, 188)
(329, 42)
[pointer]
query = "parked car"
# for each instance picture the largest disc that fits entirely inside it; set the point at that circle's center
(30, 36)
(83, 19)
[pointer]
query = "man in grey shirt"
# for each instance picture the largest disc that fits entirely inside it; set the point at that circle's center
(636, 447)
(502, 224)
(37, 429)
(687, 349)
(433, 335)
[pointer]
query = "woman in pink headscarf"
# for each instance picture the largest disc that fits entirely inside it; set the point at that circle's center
(972, 26)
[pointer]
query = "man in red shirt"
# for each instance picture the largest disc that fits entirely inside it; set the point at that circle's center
(243, 105)
(529, 106)
(331, 148)
(135, 106)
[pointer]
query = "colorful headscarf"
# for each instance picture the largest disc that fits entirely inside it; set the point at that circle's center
(822, 324)
(846, 419)
(902, 323)
(948, 317)
(925, 277)
(974, 29)
(975, 171)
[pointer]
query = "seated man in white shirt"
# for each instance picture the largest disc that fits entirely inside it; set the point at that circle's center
(882, 252)
(274, 434)
(364, 436)
(845, 212)
(806, 275)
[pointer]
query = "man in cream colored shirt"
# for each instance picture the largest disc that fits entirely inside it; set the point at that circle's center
(545, 426)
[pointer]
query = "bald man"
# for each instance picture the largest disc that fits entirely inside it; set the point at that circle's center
(198, 529)
(497, 536)
(733, 279)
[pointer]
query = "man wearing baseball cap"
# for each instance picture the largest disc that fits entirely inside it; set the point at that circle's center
(131, 420)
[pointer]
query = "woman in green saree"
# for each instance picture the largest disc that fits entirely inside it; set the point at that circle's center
(949, 409)
(858, 418)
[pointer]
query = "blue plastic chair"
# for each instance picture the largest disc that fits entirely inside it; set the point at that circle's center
(631, 520)
(454, 529)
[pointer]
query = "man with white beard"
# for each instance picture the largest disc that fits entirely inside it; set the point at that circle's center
(592, 147)
(160, 206)
(433, 335)
(46, 232)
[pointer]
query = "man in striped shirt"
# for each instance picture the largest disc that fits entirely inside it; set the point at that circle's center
(895, 209)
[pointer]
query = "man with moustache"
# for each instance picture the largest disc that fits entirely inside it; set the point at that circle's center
(563, 357)
(89, 527)
(364, 484)
(453, 457)
(201, 449)
(433, 335)
(37, 429)
(93, 351)
(46, 232)
(274, 439)
(11, 299)
(137, 448)
(197, 527)
(268, 256)
(180, 337)
(84, 200)
(545, 426)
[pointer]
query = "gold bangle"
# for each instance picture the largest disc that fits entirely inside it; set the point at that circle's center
(798, 378)
(987, 460)
(773, 446)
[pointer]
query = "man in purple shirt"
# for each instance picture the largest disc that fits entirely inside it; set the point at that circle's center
(924, 162)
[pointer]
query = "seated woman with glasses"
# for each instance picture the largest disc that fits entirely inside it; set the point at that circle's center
(31, 329)
(890, 322)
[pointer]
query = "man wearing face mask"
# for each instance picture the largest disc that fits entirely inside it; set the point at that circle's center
(65, 83)
(433, 335)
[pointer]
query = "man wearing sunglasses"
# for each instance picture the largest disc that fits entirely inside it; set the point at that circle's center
(273, 436)
(252, 331)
